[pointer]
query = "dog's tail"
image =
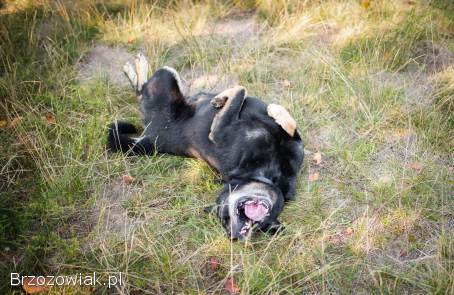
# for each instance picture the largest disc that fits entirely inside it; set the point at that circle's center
(119, 140)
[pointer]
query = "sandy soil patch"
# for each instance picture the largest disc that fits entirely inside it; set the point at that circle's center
(106, 63)
(109, 212)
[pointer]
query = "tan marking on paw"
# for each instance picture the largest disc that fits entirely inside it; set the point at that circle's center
(218, 101)
(130, 72)
(195, 154)
(282, 117)
(213, 126)
(210, 135)
(226, 98)
(141, 67)
(230, 92)
(212, 162)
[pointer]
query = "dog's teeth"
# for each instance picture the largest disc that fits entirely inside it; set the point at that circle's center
(264, 204)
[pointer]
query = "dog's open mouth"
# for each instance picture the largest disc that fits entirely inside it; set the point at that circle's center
(252, 211)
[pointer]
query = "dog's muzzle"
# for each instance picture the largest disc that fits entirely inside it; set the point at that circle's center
(251, 210)
(255, 209)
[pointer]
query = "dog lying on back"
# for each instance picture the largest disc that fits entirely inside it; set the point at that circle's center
(255, 147)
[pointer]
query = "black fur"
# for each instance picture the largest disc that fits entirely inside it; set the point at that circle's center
(248, 146)
(119, 140)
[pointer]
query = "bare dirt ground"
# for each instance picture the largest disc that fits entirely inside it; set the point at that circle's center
(239, 29)
(104, 62)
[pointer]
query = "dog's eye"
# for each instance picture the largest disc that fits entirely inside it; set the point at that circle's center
(226, 221)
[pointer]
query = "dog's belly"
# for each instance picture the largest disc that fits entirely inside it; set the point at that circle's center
(220, 156)
(189, 136)
(196, 132)
(184, 135)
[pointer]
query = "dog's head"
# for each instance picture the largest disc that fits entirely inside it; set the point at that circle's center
(244, 207)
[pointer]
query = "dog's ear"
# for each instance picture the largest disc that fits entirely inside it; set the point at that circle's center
(282, 117)
(165, 85)
(177, 80)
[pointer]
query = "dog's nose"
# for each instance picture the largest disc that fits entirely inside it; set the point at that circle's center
(234, 236)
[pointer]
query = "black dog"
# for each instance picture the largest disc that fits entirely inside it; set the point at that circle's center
(254, 146)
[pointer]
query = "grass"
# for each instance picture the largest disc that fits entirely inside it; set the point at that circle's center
(371, 89)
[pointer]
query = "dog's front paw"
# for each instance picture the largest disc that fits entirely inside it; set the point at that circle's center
(210, 209)
(219, 101)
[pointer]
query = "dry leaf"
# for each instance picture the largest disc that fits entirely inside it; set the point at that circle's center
(3, 123)
(128, 179)
(33, 286)
(313, 176)
(15, 121)
(23, 139)
(417, 166)
(365, 3)
(286, 83)
(231, 287)
(337, 240)
(401, 132)
(213, 263)
(348, 231)
(130, 40)
(50, 119)
(317, 158)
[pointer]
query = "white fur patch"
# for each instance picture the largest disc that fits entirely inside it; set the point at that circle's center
(255, 133)
(137, 139)
(175, 75)
(282, 117)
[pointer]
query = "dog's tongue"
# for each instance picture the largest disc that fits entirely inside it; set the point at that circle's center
(255, 211)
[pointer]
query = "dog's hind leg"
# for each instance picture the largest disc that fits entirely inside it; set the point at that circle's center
(231, 101)
(138, 73)
(130, 72)
(141, 64)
